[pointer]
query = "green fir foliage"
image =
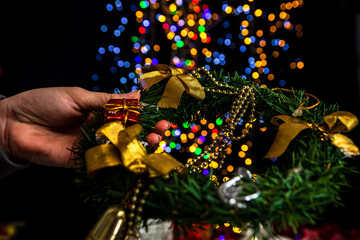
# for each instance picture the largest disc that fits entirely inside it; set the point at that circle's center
(295, 189)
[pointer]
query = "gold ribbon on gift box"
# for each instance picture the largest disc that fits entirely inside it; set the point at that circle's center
(334, 123)
(126, 150)
(127, 107)
(177, 84)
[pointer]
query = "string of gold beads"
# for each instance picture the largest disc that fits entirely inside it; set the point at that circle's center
(245, 98)
(136, 208)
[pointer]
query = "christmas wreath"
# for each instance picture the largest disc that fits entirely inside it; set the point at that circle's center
(295, 155)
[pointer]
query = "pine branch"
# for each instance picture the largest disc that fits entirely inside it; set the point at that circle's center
(295, 189)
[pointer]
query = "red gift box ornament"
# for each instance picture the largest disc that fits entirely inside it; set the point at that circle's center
(125, 110)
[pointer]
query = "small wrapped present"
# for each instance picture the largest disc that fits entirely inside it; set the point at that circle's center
(125, 110)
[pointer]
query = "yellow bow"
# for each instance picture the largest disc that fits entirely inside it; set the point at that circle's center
(340, 121)
(177, 84)
(126, 150)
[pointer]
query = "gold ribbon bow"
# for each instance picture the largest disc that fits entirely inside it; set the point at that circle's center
(177, 84)
(334, 123)
(126, 150)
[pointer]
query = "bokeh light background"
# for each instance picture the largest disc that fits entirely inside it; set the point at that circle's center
(259, 40)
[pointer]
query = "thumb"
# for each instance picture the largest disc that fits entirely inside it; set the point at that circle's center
(88, 100)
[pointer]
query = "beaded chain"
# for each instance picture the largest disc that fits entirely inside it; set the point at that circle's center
(136, 208)
(245, 98)
(238, 109)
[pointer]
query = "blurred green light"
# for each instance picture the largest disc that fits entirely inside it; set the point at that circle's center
(134, 39)
(172, 145)
(180, 44)
(219, 121)
(186, 124)
(144, 4)
(201, 28)
(198, 151)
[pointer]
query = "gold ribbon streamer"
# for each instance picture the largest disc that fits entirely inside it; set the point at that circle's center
(340, 121)
(126, 150)
(177, 84)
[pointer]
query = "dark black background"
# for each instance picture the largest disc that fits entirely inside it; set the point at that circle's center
(53, 43)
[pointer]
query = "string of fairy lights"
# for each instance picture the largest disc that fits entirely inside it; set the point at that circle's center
(186, 34)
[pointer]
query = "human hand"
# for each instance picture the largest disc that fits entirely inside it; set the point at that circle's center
(40, 125)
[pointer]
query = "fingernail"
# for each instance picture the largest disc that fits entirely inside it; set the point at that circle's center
(160, 137)
(169, 125)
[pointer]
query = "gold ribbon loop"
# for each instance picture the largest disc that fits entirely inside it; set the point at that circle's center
(341, 121)
(286, 133)
(101, 156)
(126, 150)
(334, 123)
(177, 84)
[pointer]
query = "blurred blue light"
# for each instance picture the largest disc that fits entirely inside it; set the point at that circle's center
(251, 60)
(177, 132)
(117, 33)
(116, 50)
(137, 59)
(173, 28)
(133, 7)
(134, 88)
(98, 57)
(113, 69)
(118, 3)
(146, 23)
(109, 7)
(124, 20)
(101, 50)
(242, 48)
(123, 80)
(120, 63)
(282, 83)
(103, 28)
(95, 77)
(154, 61)
(226, 24)
(227, 42)
(250, 17)
(127, 64)
(131, 75)
(286, 47)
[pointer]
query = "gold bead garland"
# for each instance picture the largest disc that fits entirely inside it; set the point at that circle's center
(136, 208)
(238, 109)
(245, 98)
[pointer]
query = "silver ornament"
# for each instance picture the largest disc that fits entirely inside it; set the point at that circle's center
(231, 191)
